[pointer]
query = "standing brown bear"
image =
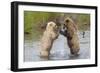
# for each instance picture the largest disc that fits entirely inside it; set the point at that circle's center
(70, 32)
(50, 34)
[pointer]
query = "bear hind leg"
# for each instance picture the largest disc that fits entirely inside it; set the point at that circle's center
(44, 54)
(74, 51)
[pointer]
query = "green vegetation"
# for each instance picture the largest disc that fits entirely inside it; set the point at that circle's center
(84, 22)
(35, 22)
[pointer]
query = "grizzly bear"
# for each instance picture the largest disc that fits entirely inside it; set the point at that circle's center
(50, 34)
(70, 32)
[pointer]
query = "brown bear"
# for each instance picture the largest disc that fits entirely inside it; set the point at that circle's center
(50, 34)
(70, 32)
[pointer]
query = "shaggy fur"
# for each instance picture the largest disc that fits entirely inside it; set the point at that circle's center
(49, 35)
(70, 32)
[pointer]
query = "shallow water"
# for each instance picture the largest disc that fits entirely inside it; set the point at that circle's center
(59, 51)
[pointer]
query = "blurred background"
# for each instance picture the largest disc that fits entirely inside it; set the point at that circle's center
(35, 22)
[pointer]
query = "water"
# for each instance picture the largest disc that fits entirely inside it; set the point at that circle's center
(59, 51)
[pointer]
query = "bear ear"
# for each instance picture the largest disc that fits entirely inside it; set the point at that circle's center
(67, 20)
